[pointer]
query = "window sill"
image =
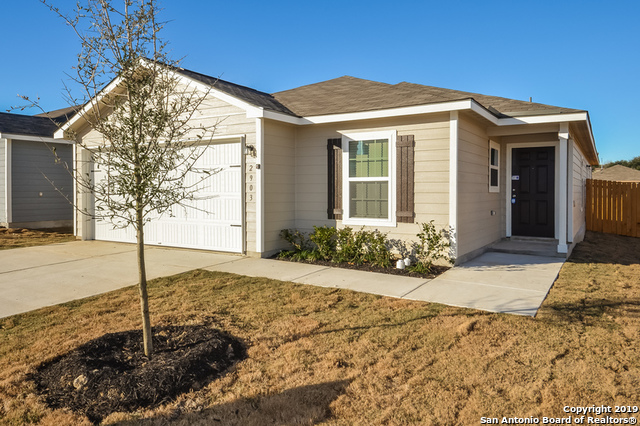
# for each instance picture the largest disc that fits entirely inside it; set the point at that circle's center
(369, 222)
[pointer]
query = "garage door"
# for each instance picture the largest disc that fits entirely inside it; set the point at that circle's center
(212, 222)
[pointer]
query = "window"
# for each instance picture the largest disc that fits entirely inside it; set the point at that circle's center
(367, 178)
(494, 167)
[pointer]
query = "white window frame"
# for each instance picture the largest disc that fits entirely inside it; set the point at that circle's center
(391, 179)
(496, 146)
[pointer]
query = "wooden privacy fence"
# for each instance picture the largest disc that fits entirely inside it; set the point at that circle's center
(613, 207)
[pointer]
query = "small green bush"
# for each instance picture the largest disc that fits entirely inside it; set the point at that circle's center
(432, 245)
(325, 239)
(378, 252)
(362, 247)
(345, 245)
(302, 247)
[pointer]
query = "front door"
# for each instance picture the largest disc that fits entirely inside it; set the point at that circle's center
(532, 193)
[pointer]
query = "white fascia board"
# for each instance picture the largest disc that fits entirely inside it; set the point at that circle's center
(482, 111)
(539, 119)
(466, 104)
(591, 139)
(384, 113)
(278, 116)
(59, 134)
(251, 110)
(35, 138)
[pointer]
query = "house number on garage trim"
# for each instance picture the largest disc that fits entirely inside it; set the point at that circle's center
(250, 178)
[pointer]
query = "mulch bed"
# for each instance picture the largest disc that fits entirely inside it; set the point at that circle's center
(435, 270)
(111, 374)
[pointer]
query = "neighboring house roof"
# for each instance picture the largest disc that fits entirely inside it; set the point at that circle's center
(349, 94)
(61, 115)
(26, 125)
(617, 173)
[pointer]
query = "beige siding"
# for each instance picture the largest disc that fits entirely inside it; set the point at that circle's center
(3, 183)
(580, 175)
(279, 183)
(431, 134)
(477, 227)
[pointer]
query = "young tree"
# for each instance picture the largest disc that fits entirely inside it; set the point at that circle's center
(150, 139)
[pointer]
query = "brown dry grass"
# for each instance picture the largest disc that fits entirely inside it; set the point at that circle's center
(17, 238)
(319, 355)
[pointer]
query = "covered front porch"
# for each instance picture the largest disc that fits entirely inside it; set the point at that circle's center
(544, 167)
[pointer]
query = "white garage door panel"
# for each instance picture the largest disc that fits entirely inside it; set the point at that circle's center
(215, 221)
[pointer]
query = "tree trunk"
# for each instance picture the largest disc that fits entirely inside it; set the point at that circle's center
(142, 286)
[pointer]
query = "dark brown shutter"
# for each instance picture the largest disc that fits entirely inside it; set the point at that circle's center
(405, 179)
(334, 178)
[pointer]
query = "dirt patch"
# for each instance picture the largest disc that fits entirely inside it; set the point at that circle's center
(20, 237)
(111, 374)
(435, 269)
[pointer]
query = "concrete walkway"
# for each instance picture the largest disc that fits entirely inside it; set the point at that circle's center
(35, 277)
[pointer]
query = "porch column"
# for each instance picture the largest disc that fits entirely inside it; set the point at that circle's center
(260, 186)
(563, 137)
(453, 184)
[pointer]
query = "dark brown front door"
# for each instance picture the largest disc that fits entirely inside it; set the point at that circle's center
(532, 193)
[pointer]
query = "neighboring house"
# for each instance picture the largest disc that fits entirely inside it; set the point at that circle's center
(353, 152)
(617, 173)
(35, 189)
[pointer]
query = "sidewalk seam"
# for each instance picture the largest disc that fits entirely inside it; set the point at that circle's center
(414, 289)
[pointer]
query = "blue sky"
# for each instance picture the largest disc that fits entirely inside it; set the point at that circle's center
(576, 54)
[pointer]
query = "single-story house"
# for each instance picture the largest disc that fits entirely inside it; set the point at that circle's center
(360, 153)
(617, 173)
(35, 187)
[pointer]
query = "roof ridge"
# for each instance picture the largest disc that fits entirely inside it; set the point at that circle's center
(474, 95)
(330, 80)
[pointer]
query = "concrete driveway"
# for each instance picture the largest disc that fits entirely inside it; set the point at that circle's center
(35, 277)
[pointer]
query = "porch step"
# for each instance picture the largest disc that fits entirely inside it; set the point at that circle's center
(528, 245)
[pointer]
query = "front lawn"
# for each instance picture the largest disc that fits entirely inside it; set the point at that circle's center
(321, 355)
(16, 237)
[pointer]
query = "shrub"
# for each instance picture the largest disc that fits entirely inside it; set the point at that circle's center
(362, 247)
(325, 239)
(358, 247)
(302, 247)
(432, 245)
(377, 249)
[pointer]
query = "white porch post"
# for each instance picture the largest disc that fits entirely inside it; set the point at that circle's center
(260, 186)
(453, 183)
(563, 138)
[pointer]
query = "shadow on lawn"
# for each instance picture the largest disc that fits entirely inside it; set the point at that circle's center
(607, 248)
(300, 405)
(593, 310)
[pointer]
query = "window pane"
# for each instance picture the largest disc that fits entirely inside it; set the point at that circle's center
(369, 158)
(494, 157)
(494, 177)
(369, 200)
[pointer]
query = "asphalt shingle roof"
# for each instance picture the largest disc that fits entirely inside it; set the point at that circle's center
(349, 94)
(617, 173)
(247, 94)
(27, 125)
